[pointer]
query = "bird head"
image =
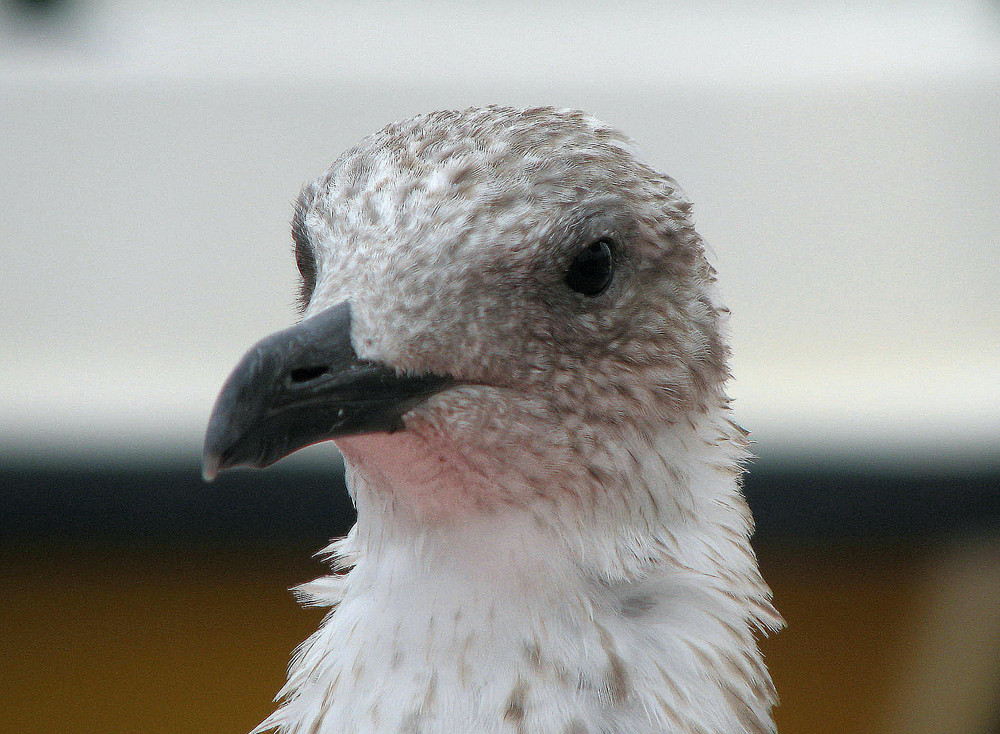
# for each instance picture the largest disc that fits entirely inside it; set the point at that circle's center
(494, 300)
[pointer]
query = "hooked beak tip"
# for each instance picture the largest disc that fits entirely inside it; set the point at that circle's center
(210, 467)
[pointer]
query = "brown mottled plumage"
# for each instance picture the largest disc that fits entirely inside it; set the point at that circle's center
(556, 541)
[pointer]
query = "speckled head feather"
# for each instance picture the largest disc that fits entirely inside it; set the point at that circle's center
(557, 543)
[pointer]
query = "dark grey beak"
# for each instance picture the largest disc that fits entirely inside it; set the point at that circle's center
(304, 385)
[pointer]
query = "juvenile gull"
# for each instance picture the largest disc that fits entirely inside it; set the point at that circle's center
(511, 331)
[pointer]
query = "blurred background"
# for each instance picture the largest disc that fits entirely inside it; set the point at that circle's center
(844, 161)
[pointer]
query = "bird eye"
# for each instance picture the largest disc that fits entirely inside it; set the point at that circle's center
(305, 260)
(591, 271)
(306, 264)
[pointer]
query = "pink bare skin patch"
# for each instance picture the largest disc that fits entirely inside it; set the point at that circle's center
(422, 472)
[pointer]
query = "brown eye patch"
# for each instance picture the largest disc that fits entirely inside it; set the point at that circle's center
(305, 258)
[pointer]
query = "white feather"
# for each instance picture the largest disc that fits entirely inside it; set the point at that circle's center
(560, 544)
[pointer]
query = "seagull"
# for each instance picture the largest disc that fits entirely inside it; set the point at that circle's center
(511, 332)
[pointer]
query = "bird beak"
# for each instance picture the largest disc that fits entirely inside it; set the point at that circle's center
(304, 385)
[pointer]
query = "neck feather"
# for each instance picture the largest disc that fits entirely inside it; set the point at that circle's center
(635, 614)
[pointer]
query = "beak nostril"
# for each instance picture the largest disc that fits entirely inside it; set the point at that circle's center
(306, 374)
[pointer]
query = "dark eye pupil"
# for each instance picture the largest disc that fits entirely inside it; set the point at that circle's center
(591, 271)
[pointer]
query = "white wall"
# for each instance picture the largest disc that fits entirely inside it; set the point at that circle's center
(844, 163)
